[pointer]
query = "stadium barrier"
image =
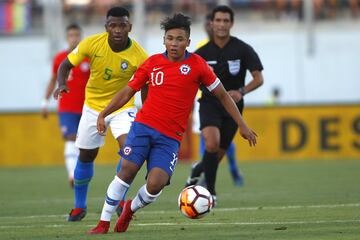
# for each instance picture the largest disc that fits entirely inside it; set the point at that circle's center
(303, 132)
(285, 133)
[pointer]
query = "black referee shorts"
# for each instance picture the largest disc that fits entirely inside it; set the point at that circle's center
(214, 114)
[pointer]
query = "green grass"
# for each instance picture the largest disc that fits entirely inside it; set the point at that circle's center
(280, 200)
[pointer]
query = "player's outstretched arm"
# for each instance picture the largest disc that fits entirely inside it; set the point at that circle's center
(232, 109)
(62, 76)
(119, 100)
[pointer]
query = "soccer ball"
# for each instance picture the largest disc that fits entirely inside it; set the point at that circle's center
(195, 201)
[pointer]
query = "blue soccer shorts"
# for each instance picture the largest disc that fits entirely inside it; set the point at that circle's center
(144, 143)
(69, 123)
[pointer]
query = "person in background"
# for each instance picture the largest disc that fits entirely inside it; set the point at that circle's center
(275, 97)
(231, 151)
(71, 104)
(230, 59)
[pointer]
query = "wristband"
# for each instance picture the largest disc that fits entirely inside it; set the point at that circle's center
(242, 91)
(44, 103)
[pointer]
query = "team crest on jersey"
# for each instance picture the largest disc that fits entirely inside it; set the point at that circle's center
(127, 150)
(185, 69)
(234, 66)
(124, 65)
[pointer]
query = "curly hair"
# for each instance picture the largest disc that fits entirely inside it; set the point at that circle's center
(179, 20)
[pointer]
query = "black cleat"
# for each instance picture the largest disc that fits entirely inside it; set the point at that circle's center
(76, 214)
(195, 174)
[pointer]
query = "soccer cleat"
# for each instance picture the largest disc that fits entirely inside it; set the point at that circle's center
(192, 181)
(201, 181)
(101, 228)
(76, 214)
(239, 181)
(126, 216)
(120, 208)
(195, 175)
(237, 178)
(214, 202)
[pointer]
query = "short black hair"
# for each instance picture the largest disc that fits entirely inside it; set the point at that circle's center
(117, 12)
(179, 20)
(72, 26)
(223, 9)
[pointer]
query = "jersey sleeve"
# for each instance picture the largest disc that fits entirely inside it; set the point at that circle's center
(80, 52)
(208, 77)
(140, 78)
(140, 53)
(252, 60)
(201, 43)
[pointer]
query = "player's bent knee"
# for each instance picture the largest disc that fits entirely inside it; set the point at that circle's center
(212, 146)
(157, 179)
(128, 171)
(154, 187)
(88, 155)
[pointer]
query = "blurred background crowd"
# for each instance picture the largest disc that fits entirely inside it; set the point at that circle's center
(26, 16)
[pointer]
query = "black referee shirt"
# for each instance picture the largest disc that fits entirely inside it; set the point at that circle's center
(230, 63)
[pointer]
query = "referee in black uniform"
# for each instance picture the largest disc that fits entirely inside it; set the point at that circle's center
(230, 59)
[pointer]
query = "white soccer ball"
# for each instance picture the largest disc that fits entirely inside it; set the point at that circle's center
(195, 202)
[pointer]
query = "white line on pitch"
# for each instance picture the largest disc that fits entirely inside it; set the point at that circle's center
(215, 210)
(195, 223)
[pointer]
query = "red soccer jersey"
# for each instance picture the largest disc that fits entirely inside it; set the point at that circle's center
(74, 100)
(172, 89)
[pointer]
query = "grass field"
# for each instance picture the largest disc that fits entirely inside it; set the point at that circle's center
(280, 200)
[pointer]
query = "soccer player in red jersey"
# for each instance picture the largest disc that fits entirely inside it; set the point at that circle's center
(173, 80)
(71, 104)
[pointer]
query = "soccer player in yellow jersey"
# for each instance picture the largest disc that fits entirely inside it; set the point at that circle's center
(114, 58)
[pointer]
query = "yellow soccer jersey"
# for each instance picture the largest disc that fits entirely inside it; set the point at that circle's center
(202, 43)
(109, 71)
